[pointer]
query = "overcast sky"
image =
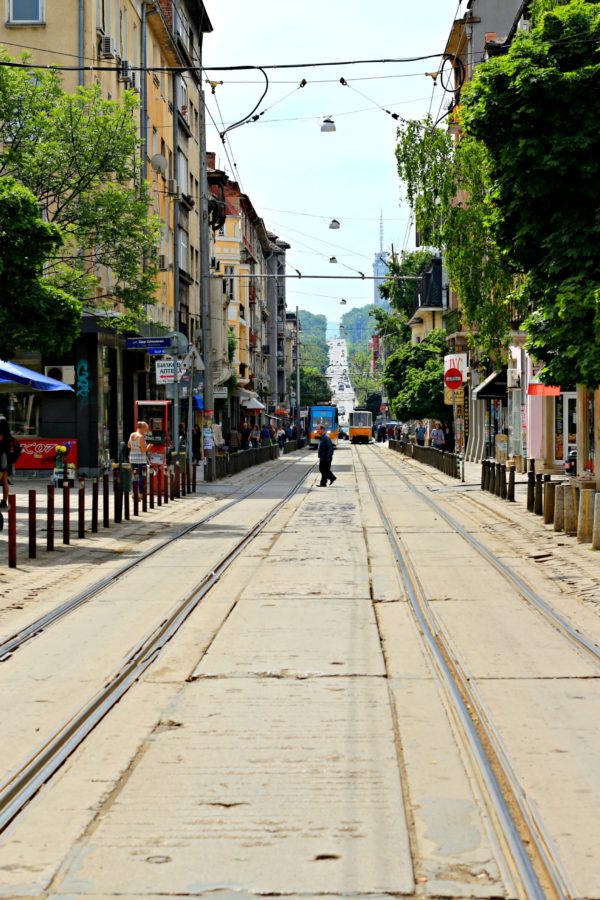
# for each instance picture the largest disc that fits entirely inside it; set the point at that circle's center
(299, 178)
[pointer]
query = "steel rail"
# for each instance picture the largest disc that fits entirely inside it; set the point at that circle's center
(516, 856)
(528, 594)
(15, 641)
(32, 774)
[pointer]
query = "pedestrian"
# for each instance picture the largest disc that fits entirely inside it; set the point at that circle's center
(281, 437)
(245, 432)
(405, 431)
(196, 443)
(182, 436)
(381, 434)
(437, 436)
(325, 454)
(289, 434)
(265, 436)
(234, 440)
(5, 459)
(420, 432)
(448, 437)
(138, 449)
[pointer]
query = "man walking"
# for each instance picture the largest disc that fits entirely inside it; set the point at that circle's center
(325, 453)
(420, 432)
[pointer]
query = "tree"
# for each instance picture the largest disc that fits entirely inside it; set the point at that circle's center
(362, 378)
(414, 378)
(33, 313)
(392, 327)
(314, 387)
(78, 154)
(449, 189)
(536, 111)
(400, 294)
(313, 340)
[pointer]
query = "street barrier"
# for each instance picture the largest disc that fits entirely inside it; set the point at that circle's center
(448, 463)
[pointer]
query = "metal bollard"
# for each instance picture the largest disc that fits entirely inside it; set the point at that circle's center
(549, 501)
(50, 519)
(497, 487)
(151, 486)
(194, 477)
(188, 476)
(136, 497)
(144, 491)
(12, 531)
(510, 493)
(117, 495)
(126, 506)
(165, 478)
(483, 475)
(81, 510)
(32, 529)
(531, 486)
(585, 517)
(559, 507)
(66, 513)
(177, 480)
(95, 506)
(503, 491)
(105, 501)
(596, 527)
(538, 507)
(172, 485)
(570, 509)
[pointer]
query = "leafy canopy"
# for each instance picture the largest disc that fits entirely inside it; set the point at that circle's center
(78, 154)
(536, 111)
(414, 378)
(33, 313)
(314, 387)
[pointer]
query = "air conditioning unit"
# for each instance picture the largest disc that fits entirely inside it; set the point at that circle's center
(513, 379)
(107, 47)
(134, 81)
(163, 263)
(65, 374)
(173, 189)
(124, 73)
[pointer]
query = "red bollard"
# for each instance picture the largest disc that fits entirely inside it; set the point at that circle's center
(172, 485)
(194, 467)
(152, 477)
(66, 513)
(95, 506)
(177, 480)
(32, 531)
(136, 496)
(12, 531)
(188, 476)
(50, 519)
(165, 478)
(81, 510)
(117, 498)
(144, 491)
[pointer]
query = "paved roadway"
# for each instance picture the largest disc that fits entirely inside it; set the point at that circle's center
(294, 738)
(339, 378)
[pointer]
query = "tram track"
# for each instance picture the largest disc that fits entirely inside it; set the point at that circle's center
(579, 640)
(527, 850)
(35, 628)
(32, 773)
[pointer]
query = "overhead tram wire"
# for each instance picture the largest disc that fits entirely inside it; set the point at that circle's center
(315, 238)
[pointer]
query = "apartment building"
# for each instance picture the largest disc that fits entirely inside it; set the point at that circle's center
(134, 43)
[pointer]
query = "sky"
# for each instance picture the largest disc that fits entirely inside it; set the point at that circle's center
(299, 178)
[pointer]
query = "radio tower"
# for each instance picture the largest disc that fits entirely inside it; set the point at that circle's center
(380, 266)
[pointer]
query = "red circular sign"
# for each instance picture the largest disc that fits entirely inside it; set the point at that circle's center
(453, 379)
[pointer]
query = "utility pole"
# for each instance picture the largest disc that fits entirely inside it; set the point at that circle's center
(207, 354)
(298, 370)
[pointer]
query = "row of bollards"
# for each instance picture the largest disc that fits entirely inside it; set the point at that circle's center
(151, 487)
(567, 506)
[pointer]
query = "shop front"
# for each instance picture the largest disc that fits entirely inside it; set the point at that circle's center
(491, 394)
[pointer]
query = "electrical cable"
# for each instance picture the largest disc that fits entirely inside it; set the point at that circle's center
(247, 118)
(292, 212)
(314, 237)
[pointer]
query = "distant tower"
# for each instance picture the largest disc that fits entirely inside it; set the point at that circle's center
(380, 266)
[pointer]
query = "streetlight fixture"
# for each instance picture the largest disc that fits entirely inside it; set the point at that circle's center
(343, 302)
(328, 124)
(332, 259)
(334, 224)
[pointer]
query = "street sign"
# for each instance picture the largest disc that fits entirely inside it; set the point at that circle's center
(453, 379)
(193, 357)
(147, 343)
(156, 351)
(165, 370)
(220, 393)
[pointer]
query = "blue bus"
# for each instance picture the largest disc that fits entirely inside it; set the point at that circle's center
(324, 414)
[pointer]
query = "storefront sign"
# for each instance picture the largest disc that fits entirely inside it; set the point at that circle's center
(501, 448)
(220, 393)
(165, 370)
(40, 453)
(456, 361)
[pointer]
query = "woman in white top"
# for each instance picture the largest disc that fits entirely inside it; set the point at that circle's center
(138, 447)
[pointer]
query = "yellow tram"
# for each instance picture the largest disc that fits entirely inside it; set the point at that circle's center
(361, 426)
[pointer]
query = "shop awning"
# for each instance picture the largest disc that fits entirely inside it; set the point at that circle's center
(13, 374)
(543, 390)
(492, 388)
(197, 402)
(252, 404)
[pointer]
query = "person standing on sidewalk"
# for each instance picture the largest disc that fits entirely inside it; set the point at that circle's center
(438, 438)
(138, 449)
(325, 453)
(420, 432)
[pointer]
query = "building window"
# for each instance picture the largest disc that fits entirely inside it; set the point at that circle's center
(26, 11)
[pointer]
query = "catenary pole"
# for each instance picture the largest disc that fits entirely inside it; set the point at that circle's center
(207, 355)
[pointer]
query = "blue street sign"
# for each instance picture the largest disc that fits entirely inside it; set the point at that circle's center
(142, 343)
(156, 351)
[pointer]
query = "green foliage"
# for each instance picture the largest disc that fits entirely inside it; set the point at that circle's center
(231, 343)
(449, 189)
(392, 327)
(414, 378)
(314, 387)
(361, 376)
(33, 314)
(313, 340)
(536, 110)
(373, 403)
(78, 154)
(358, 327)
(400, 294)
